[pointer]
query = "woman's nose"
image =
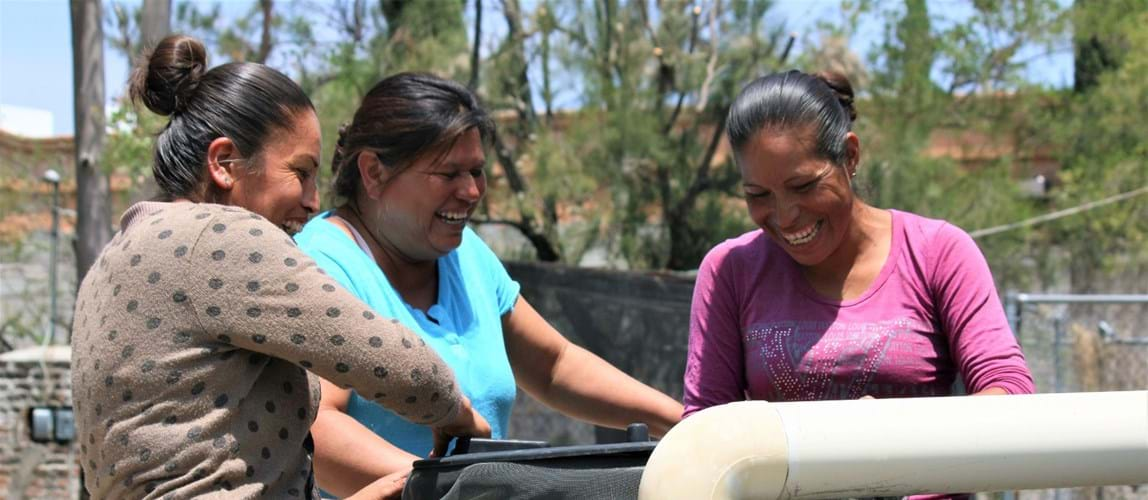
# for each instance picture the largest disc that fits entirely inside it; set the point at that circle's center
(471, 190)
(311, 197)
(786, 214)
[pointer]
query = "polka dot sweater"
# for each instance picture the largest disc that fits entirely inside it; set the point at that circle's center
(192, 338)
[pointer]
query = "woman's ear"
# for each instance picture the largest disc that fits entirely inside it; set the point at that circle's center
(852, 153)
(221, 160)
(371, 171)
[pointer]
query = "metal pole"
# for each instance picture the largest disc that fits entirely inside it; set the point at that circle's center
(54, 178)
(1057, 340)
(1012, 312)
(1068, 298)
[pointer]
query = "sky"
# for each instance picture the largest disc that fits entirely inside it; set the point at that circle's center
(36, 52)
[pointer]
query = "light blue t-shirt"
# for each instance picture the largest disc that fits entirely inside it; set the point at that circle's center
(464, 327)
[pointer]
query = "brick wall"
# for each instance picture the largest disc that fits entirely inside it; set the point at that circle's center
(30, 470)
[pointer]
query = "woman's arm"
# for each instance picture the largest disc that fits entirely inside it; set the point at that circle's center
(715, 362)
(982, 345)
(575, 381)
(250, 287)
(348, 455)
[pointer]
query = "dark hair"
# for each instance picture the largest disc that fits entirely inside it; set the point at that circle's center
(796, 100)
(244, 102)
(402, 118)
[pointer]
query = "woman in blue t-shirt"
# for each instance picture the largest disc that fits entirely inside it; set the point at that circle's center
(410, 171)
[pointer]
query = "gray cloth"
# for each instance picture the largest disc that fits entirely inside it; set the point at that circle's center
(511, 481)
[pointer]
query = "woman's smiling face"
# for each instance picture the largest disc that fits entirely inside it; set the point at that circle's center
(283, 186)
(424, 208)
(803, 202)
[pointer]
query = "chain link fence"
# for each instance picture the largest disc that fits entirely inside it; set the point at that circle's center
(1083, 343)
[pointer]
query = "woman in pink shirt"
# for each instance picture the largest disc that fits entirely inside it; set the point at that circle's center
(834, 298)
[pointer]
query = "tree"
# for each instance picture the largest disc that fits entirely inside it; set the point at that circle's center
(959, 82)
(634, 168)
(512, 89)
(1099, 125)
(1098, 48)
(155, 22)
(637, 169)
(138, 28)
(93, 224)
(611, 112)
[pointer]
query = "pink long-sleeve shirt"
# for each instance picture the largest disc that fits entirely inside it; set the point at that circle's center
(758, 330)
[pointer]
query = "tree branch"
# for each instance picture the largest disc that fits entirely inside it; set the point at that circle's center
(681, 95)
(711, 67)
(350, 20)
(265, 44)
(123, 41)
(473, 85)
(518, 90)
(702, 180)
(509, 165)
(542, 245)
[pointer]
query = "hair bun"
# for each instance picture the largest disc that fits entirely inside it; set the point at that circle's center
(340, 148)
(167, 77)
(840, 85)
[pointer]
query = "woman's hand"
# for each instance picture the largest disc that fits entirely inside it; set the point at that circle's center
(388, 487)
(468, 423)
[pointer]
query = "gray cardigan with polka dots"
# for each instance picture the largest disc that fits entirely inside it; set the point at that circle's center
(191, 335)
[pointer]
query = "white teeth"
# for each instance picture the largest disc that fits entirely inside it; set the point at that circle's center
(804, 236)
(452, 217)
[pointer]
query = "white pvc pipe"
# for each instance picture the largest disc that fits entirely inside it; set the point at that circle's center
(889, 447)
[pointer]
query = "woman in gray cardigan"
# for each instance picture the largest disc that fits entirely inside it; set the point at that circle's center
(196, 327)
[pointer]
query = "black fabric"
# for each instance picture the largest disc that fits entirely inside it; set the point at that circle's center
(511, 481)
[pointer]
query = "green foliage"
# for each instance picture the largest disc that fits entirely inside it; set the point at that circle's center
(607, 111)
(934, 79)
(129, 150)
(653, 84)
(1104, 154)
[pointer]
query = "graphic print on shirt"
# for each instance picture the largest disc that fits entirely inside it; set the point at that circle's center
(817, 360)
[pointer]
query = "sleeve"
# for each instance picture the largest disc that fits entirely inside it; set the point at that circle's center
(505, 289)
(970, 312)
(715, 364)
(328, 264)
(251, 287)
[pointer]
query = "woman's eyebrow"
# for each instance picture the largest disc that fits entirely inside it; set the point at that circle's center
(804, 178)
(304, 157)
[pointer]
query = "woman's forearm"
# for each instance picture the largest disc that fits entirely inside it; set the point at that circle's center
(587, 387)
(349, 457)
(574, 381)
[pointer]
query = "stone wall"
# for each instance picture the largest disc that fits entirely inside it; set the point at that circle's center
(30, 470)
